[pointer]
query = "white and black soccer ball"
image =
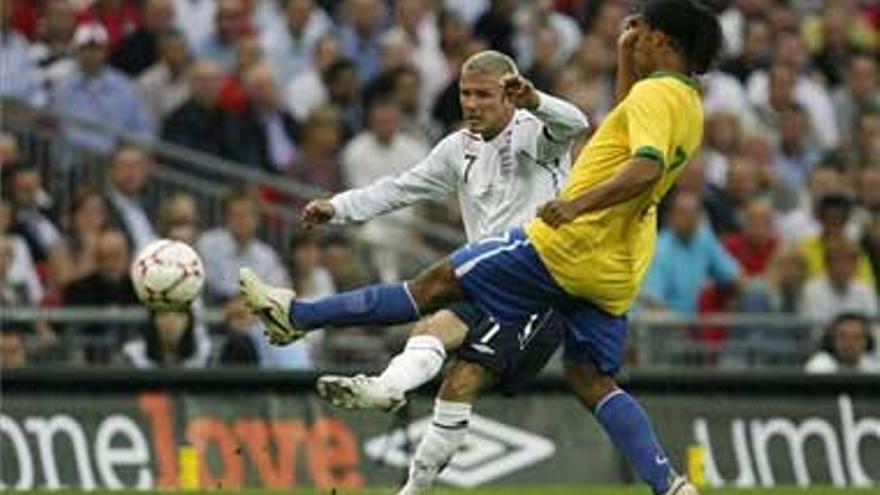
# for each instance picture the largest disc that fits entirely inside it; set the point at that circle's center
(167, 274)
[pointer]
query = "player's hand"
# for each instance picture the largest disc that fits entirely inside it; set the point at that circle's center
(317, 212)
(627, 40)
(520, 91)
(557, 212)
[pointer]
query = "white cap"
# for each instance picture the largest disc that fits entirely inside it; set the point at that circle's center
(89, 34)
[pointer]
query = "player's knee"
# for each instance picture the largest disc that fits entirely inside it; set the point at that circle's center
(588, 384)
(435, 287)
(463, 382)
(443, 325)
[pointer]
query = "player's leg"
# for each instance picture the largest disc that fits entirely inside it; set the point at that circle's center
(490, 355)
(288, 319)
(594, 348)
(419, 362)
(448, 428)
(502, 274)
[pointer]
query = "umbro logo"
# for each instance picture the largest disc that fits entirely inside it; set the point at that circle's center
(492, 450)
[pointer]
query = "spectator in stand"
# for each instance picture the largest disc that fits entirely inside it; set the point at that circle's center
(755, 244)
(244, 335)
(344, 92)
(347, 270)
(118, 17)
(310, 278)
(723, 140)
(165, 86)
(12, 352)
(497, 26)
(790, 52)
(361, 36)
(34, 222)
(405, 90)
(785, 289)
(269, 131)
(129, 173)
(53, 51)
(179, 219)
(755, 51)
(796, 157)
(378, 152)
(317, 162)
(534, 17)
(10, 153)
(19, 282)
(835, 37)
(139, 49)
(870, 243)
(19, 74)
(586, 81)
(833, 214)
(229, 24)
(200, 123)
(687, 258)
(248, 54)
(839, 290)
(24, 16)
(110, 285)
(866, 140)
(195, 19)
(87, 218)
(802, 222)
(543, 69)
(607, 21)
(457, 45)
(847, 347)
(724, 206)
(290, 45)
(415, 25)
(859, 94)
(172, 339)
(226, 249)
(97, 93)
(307, 91)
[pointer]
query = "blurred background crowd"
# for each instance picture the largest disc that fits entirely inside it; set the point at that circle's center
(779, 216)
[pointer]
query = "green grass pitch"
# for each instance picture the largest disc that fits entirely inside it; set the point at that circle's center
(586, 490)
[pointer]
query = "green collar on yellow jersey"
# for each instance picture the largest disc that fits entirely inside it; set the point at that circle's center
(677, 75)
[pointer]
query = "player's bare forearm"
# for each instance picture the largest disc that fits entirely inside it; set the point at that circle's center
(626, 74)
(637, 177)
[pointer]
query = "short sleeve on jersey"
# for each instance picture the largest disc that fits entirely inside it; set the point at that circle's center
(649, 121)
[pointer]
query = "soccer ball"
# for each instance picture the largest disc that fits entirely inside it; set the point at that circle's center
(167, 274)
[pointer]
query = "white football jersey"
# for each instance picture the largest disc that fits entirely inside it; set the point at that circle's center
(500, 183)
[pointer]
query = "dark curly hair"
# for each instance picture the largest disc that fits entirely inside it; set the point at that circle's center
(692, 26)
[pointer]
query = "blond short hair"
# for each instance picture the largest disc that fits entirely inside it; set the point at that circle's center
(490, 62)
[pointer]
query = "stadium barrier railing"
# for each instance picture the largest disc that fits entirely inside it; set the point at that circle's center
(657, 340)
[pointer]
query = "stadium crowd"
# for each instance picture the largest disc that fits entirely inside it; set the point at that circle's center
(780, 213)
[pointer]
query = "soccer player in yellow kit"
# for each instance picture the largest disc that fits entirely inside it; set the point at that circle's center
(588, 251)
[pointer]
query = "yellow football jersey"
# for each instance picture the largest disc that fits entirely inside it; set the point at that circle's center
(603, 255)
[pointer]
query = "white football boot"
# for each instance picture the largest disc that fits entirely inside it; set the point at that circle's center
(272, 305)
(359, 392)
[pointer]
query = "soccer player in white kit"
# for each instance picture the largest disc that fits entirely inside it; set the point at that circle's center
(512, 156)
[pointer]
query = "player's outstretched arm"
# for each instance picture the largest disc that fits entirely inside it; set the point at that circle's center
(636, 177)
(564, 121)
(433, 178)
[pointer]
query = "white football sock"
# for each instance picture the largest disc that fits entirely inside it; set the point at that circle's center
(421, 360)
(444, 436)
